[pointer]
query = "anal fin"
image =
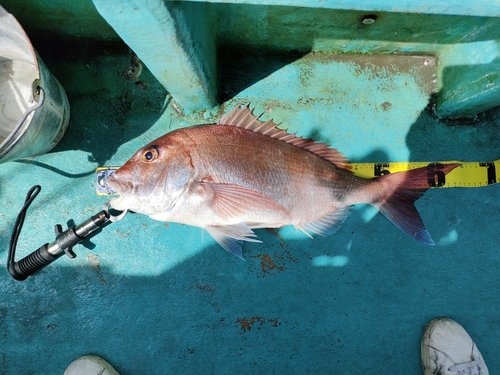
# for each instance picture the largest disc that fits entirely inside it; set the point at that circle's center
(326, 225)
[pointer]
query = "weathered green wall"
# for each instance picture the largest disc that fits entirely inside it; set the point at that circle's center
(179, 41)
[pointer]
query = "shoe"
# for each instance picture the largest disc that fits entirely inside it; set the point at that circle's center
(90, 365)
(447, 349)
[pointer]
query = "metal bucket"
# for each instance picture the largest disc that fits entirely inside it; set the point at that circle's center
(34, 109)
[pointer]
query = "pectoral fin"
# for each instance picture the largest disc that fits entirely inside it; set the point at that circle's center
(230, 237)
(231, 201)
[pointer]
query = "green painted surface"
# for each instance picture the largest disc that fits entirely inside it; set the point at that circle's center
(175, 41)
(454, 7)
(156, 298)
(292, 28)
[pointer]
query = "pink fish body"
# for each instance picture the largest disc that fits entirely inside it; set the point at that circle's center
(242, 173)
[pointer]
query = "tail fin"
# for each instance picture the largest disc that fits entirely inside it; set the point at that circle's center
(403, 189)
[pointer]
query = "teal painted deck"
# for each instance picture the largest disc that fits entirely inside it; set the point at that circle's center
(158, 298)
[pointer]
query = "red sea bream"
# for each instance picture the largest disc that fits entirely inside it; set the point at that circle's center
(242, 174)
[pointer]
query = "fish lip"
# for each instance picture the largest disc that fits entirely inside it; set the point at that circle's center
(116, 185)
(120, 188)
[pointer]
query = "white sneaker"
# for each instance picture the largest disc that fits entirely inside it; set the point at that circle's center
(90, 365)
(447, 349)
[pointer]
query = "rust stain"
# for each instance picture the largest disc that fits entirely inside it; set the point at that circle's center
(386, 106)
(289, 257)
(267, 264)
(122, 234)
(276, 262)
(94, 261)
(247, 324)
(274, 322)
(205, 287)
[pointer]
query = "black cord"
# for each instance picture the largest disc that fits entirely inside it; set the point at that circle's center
(18, 226)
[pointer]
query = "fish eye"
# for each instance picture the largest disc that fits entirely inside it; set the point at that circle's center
(150, 154)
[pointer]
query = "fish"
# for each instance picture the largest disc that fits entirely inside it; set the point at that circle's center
(244, 173)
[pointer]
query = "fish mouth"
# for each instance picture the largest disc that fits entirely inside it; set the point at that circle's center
(118, 187)
(132, 197)
(121, 188)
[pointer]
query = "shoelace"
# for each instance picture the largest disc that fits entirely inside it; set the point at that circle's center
(468, 368)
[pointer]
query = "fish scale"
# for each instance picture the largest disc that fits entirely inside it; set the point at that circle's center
(264, 168)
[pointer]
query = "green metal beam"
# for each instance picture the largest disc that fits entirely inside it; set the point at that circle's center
(174, 40)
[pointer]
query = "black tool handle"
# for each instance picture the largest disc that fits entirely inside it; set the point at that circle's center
(30, 264)
(63, 243)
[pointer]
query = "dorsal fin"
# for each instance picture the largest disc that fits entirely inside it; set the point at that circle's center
(242, 117)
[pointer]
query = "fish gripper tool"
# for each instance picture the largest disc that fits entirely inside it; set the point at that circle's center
(49, 252)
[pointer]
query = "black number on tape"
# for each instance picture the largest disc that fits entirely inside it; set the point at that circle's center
(378, 171)
(435, 175)
(492, 174)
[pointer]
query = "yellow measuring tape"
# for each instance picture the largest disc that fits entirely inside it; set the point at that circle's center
(468, 174)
